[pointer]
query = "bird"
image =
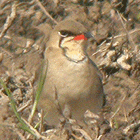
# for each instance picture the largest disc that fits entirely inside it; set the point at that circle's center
(73, 83)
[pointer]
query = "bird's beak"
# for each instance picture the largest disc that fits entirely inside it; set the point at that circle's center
(80, 37)
(89, 35)
(84, 36)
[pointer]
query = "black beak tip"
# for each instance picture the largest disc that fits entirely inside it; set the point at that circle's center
(89, 35)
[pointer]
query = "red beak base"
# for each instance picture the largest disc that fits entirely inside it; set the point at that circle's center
(80, 37)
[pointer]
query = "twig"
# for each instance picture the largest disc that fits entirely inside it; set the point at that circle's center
(129, 37)
(44, 10)
(122, 35)
(3, 96)
(117, 36)
(57, 103)
(7, 52)
(84, 133)
(9, 20)
(41, 120)
(8, 124)
(19, 134)
(99, 138)
(24, 106)
(39, 90)
(132, 126)
(37, 134)
(100, 50)
(117, 110)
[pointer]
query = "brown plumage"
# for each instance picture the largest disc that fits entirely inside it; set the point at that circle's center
(72, 79)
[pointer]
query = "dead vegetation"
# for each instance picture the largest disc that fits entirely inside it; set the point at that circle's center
(24, 30)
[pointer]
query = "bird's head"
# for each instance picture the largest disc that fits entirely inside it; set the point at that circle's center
(71, 37)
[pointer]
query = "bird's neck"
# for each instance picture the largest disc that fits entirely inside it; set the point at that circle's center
(75, 57)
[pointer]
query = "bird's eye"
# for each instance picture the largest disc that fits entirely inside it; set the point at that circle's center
(64, 33)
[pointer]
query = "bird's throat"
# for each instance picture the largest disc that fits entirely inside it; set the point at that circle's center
(73, 49)
(75, 56)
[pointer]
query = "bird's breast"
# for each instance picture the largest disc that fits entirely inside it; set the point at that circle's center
(70, 80)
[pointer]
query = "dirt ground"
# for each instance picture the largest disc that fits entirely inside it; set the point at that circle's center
(24, 29)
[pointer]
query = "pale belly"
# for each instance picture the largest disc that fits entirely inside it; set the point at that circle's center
(78, 88)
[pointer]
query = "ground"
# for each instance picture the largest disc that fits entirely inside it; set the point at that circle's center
(24, 30)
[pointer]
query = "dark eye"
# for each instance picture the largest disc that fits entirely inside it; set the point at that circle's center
(64, 33)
